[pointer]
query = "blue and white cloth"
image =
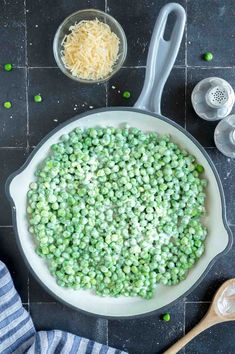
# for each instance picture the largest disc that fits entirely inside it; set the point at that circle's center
(18, 335)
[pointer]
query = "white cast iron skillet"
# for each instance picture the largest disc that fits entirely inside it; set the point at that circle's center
(161, 57)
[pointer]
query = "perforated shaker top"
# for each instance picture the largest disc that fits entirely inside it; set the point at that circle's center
(217, 96)
(213, 98)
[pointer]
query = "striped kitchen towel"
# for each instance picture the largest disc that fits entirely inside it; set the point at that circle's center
(18, 335)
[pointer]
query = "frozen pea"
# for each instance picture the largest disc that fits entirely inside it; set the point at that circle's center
(108, 201)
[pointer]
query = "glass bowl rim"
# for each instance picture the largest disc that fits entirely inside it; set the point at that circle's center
(57, 55)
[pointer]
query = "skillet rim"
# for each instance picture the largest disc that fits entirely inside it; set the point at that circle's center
(165, 119)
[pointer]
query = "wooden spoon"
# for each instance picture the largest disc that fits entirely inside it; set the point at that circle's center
(213, 316)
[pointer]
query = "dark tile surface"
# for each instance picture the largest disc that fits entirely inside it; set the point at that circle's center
(10, 255)
(137, 19)
(37, 293)
(11, 160)
(215, 340)
(56, 316)
(14, 120)
(201, 129)
(173, 97)
(63, 98)
(43, 19)
(149, 335)
(12, 34)
(210, 26)
(131, 80)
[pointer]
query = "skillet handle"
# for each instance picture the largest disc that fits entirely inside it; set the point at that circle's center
(161, 58)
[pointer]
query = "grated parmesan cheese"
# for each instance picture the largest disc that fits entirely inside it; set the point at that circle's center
(90, 50)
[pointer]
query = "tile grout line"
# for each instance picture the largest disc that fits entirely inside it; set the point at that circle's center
(106, 6)
(107, 333)
(14, 147)
(43, 302)
(197, 302)
(28, 293)
(106, 94)
(26, 78)
(134, 67)
(210, 67)
(27, 109)
(43, 67)
(26, 35)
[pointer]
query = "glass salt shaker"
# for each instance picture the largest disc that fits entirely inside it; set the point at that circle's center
(225, 136)
(213, 98)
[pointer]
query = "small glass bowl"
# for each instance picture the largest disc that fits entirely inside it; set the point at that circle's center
(89, 14)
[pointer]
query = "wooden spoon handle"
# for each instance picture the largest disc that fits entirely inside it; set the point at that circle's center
(200, 327)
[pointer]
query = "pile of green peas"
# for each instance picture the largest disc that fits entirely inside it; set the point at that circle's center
(118, 211)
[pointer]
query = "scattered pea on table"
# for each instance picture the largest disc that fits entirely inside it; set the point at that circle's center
(208, 56)
(7, 104)
(166, 317)
(8, 67)
(37, 98)
(126, 94)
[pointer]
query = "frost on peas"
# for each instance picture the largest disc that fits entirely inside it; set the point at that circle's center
(117, 210)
